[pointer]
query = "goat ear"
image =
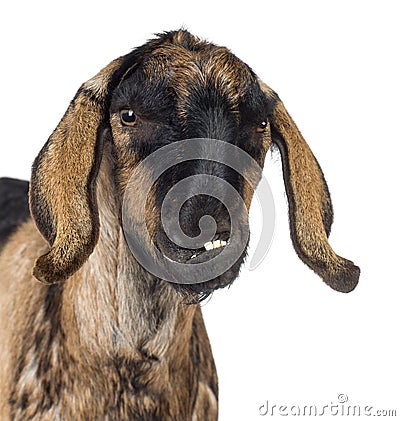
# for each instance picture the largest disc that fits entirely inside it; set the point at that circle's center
(310, 207)
(62, 190)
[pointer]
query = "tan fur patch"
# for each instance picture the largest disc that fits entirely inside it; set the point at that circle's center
(99, 83)
(62, 180)
(204, 66)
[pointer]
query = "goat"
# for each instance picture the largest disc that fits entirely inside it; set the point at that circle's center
(100, 337)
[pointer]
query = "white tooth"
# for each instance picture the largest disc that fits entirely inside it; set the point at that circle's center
(211, 245)
(216, 244)
(193, 256)
(208, 245)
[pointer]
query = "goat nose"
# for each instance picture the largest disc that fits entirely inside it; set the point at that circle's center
(197, 208)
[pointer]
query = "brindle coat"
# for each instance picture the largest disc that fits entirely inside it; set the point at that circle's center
(113, 342)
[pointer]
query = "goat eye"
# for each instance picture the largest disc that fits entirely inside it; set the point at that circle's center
(127, 117)
(262, 126)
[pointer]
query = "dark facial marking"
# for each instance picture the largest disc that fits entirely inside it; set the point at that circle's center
(192, 90)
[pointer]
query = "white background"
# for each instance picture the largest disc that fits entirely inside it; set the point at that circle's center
(279, 333)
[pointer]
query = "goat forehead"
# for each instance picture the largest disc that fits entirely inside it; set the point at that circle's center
(210, 66)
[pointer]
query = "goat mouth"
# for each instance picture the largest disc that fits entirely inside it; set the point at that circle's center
(200, 289)
(210, 249)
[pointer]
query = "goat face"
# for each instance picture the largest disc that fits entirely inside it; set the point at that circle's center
(208, 97)
(177, 90)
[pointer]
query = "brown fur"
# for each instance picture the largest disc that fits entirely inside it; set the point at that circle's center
(310, 207)
(204, 65)
(113, 342)
(148, 359)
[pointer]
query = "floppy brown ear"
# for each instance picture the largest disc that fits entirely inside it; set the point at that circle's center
(310, 207)
(62, 190)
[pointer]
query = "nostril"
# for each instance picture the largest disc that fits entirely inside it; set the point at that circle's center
(196, 213)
